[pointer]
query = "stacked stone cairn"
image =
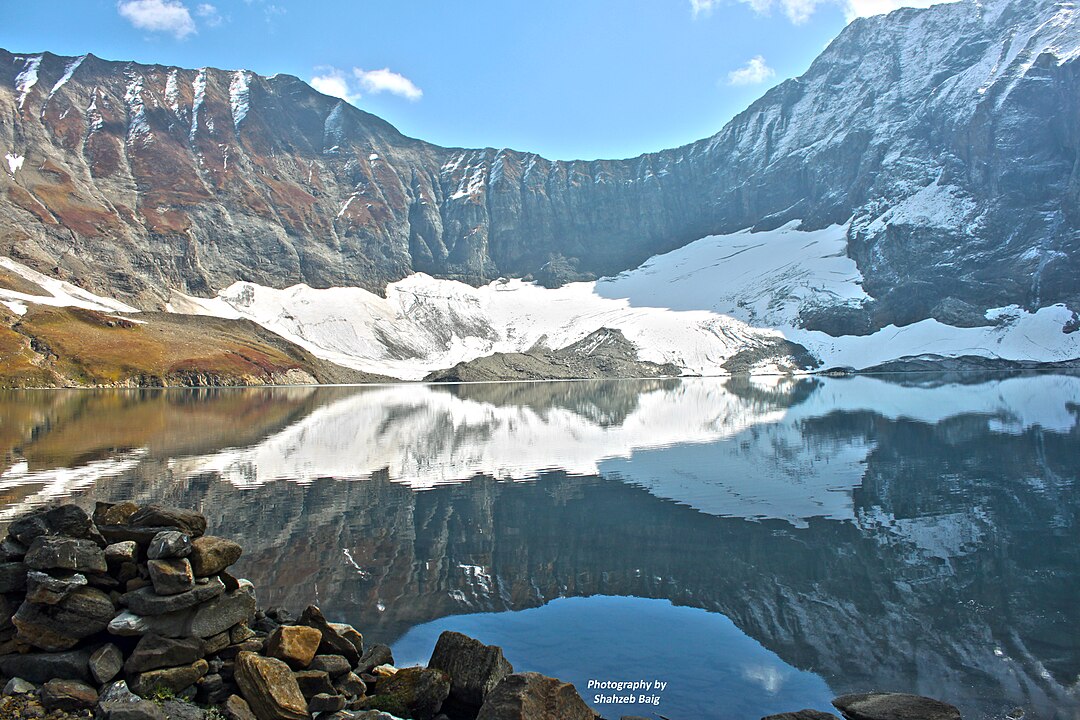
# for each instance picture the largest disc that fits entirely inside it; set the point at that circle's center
(132, 614)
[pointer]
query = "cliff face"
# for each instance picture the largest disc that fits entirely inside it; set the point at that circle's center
(946, 135)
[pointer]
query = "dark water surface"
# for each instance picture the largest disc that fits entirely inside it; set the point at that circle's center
(757, 546)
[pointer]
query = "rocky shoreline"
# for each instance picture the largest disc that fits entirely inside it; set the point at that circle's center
(132, 614)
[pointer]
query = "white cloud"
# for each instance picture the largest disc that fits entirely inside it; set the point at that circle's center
(170, 16)
(335, 83)
(385, 80)
(800, 11)
(210, 14)
(755, 71)
(349, 86)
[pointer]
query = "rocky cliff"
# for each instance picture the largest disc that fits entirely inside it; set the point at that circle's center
(947, 137)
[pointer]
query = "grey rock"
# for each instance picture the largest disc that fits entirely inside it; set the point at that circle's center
(67, 695)
(532, 696)
(12, 577)
(171, 576)
(324, 703)
(333, 665)
(188, 521)
(236, 708)
(41, 667)
(332, 643)
(474, 668)
(154, 651)
(138, 710)
(169, 544)
(82, 613)
(63, 553)
(48, 590)
(212, 690)
(420, 690)
(11, 550)
(375, 656)
(313, 682)
(893, 706)
(105, 663)
(145, 601)
(173, 679)
(67, 520)
(223, 612)
(351, 634)
(802, 715)
(179, 710)
(118, 693)
(217, 643)
(18, 686)
(239, 633)
(351, 685)
(122, 552)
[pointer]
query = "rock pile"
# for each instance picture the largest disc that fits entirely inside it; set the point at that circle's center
(132, 614)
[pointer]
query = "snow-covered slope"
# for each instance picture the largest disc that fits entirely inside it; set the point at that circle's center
(695, 307)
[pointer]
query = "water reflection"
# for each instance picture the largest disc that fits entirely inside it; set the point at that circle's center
(918, 537)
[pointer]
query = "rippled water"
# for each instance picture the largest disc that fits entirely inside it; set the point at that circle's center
(758, 546)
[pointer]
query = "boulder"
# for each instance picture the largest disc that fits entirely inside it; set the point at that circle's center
(532, 696)
(295, 644)
(67, 695)
(156, 516)
(351, 634)
(270, 688)
(154, 651)
(41, 667)
(893, 706)
(145, 601)
(82, 613)
(114, 513)
(67, 520)
(350, 684)
(48, 590)
(415, 692)
(138, 710)
(474, 668)
(121, 552)
(50, 552)
(217, 643)
(169, 544)
(210, 555)
(313, 682)
(236, 708)
(375, 656)
(171, 576)
(239, 633)
(332, 643)
(105, 663)
(210, 618)
(12, 577)
(171, 679)
(11, 550)
(180, 710)
(333, 665)
(326, 703)
(802, 715)
(18, 686)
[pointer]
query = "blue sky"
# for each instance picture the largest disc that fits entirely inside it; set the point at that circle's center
(565, 78)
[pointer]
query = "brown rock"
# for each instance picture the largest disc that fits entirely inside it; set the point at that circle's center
(270, 688)
(157, 516)
(84, 612)
(351, 634)
(211, 555)
(802, 715)
(893, 706)
(172, 679)
(532, 696)
(171, 576)
(67, 695)
(217, 643)
(326, 703)
(295, 644)
(474, 668)
(114, 514)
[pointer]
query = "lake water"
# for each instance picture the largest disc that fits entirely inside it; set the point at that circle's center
(757, 546)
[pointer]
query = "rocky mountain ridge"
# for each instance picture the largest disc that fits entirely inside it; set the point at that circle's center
(943, 135)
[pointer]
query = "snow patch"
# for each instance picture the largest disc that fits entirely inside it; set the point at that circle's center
(15, 162)
(172, 91)
(138, 127)
(27, 79)
(68, 72)
(61, 294)
(239, 92)
(198, 87)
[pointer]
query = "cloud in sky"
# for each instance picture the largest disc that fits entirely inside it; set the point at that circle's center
(168, 16)
(799, 11)
(755, 72)
(209, 14)
(349, 86)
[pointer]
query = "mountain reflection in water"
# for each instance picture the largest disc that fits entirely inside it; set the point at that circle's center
(909, 536)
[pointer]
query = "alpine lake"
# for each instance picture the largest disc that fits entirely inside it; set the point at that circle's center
(734, 547)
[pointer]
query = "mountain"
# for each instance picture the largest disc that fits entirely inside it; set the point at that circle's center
(939, 144)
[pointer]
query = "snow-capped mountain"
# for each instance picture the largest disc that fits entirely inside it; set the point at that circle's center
(917, 182)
